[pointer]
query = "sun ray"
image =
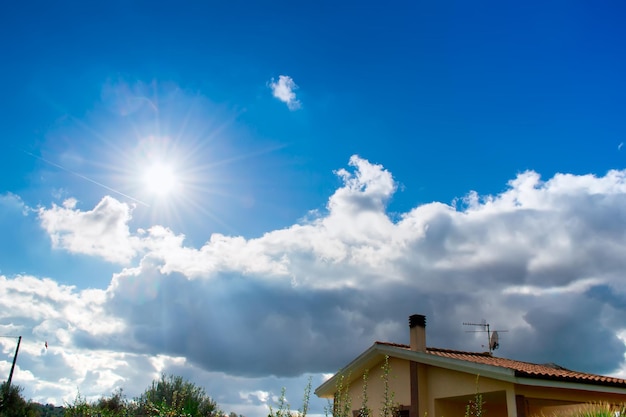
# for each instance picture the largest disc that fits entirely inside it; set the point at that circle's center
(175, 158)
(86, 178)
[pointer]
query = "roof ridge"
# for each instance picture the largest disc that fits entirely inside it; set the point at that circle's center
(433, 349)
(402, 345)
(463, 352)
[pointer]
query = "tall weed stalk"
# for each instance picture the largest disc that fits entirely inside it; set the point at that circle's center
(364, 411)
(474, 408)
(389, 408)
(342, 406)
(284, 409)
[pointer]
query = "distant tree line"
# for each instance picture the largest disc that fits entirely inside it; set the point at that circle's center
(169, 396)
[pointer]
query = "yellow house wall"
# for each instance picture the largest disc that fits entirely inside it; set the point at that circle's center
(399, 384)
(491, 409)
(552, 411)
(444, 384)
(446, 392)
(440, 386)
(434, 383)
(555, 401)
(445, 408)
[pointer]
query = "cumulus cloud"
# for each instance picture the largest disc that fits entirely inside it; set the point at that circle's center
(543, 260)
(41, 310)
(102, 231)
(283, 89)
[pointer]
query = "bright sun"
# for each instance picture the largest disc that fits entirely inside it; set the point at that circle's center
(160, 179)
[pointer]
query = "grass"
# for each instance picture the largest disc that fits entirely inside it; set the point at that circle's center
(596, 410)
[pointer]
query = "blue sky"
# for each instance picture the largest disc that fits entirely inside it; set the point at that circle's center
(325, 168)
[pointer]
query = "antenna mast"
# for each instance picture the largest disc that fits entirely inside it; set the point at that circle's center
(492, 337)
(8, 386)
(19, 340)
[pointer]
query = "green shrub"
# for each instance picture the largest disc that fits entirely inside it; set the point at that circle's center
(598, 410)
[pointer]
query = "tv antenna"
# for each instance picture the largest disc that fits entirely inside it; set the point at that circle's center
(493, 340)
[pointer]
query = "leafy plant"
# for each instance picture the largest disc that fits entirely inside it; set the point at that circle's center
(80, 407)
(305, 400)
(342, 404)
(13, 404)
(364, 411)
(283, 409)
(175, 396)
(474, 408)
(114, 406)
(389, 408)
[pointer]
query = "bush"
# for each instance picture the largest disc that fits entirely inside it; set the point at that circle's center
(12, 404)
(175, 396)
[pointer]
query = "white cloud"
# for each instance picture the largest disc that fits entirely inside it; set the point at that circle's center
(258, 395)
(283, 89)
(102, 231)
(14, 201)
(543, 259)
(42, 310)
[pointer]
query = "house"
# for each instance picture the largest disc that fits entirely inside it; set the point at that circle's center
(440, 382)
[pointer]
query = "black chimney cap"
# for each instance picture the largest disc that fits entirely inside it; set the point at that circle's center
(417, 320)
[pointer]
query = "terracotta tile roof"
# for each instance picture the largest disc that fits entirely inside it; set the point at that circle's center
(523, 369)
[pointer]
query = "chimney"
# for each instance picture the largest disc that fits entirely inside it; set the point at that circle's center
(417, 326)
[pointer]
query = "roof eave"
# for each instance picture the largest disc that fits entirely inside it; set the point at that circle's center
(572, 385)
(378, 350)
(361, 362)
